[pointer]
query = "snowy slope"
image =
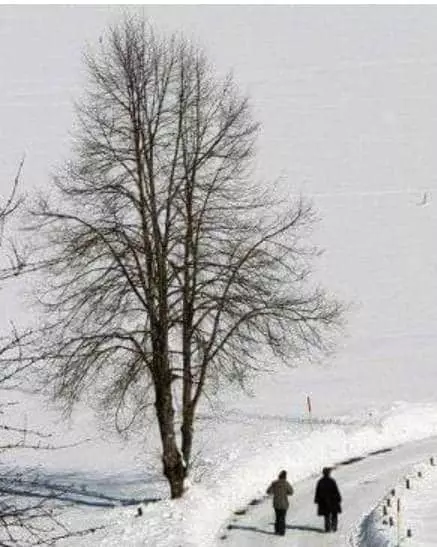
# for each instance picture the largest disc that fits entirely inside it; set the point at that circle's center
(405, 514)
(359, 481)
(347, 101)
(239, 473)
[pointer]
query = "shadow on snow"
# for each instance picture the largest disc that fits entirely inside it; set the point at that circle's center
(305, 528)
(271, 533)
(64, 488)
(250, 528)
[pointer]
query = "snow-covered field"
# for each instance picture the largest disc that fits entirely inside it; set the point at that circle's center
(101, 483)
(406, 513)
(347, 101)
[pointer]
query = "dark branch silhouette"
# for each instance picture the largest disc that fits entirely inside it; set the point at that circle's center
(166, 268)
(23, 521)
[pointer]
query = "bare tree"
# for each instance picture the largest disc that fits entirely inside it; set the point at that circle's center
(165, 268)
(12, 262)
(20, 521)
(26, 518)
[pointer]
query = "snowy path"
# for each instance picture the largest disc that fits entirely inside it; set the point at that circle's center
(362, 484)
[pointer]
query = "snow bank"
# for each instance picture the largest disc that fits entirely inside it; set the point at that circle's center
(406, 515)
(244, 468)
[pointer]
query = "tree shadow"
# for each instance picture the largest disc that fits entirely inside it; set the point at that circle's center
(90, 492)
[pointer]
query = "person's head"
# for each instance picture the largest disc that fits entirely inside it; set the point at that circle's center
(283, 474)
(326, 471)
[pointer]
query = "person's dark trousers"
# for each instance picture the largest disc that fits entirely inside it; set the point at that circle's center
(331, 521)
(334, 522)
(280, 521)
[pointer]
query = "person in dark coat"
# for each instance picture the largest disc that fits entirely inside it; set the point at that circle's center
(328, 499)
(280, 489)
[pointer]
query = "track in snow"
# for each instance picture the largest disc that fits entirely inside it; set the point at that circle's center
(362, 484)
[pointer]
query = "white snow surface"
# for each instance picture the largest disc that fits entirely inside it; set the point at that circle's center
(347, 99)
(406, 514)
(239, 454)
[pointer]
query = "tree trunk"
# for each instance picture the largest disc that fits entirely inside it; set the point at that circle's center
(187, 437)
(173, 464)
(174, 470)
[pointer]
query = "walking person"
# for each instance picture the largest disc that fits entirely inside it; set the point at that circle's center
(280, 489)
(328, 499)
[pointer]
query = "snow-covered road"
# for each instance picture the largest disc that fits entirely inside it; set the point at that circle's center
(363, 484)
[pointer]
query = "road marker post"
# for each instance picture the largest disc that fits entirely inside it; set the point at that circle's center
(309, 408)
(398, 515)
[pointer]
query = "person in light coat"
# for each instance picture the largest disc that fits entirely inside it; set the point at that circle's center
(328, 500)
(280, 489)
